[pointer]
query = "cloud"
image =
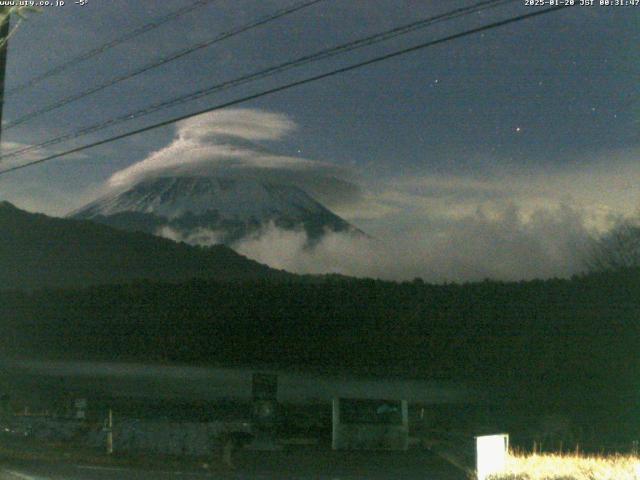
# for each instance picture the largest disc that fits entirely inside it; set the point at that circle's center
(241, 123)
(221, 144)
(198, 236)
(501, 224)
(501, 245)
(605, 189)
(342, 253)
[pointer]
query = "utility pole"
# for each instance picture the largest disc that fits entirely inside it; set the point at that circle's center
(109, 430)
(4, 41)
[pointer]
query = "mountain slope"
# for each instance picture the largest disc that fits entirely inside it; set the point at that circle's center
(205, 210)
(40, 251)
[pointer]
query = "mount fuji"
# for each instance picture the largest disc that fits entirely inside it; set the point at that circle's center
(213, 210)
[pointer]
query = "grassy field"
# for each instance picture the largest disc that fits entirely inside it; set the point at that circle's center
(570, 467)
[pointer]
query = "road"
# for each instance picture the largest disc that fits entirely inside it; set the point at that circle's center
(259, 466)
(83, 472)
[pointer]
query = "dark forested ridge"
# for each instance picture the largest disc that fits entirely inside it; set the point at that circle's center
(40, 251)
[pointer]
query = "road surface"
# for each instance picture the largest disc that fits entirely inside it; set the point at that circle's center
(259, 466)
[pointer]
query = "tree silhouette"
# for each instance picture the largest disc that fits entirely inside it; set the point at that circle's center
(20, 12)
(619, 249)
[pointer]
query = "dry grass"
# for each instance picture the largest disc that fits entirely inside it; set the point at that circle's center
(570, 467)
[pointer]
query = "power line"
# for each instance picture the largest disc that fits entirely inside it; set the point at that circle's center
(321, 55)
(161, 61)
(106, 46)
(291, 85)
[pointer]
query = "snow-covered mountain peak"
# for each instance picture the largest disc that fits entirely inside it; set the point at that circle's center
(234, 207)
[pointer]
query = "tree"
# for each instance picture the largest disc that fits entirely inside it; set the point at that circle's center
(618, 249)
(5, 14)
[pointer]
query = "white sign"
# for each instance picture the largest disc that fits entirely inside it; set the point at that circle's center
(491, 455)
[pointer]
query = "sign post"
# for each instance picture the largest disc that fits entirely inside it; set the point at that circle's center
(491, 454)
(109, 429)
